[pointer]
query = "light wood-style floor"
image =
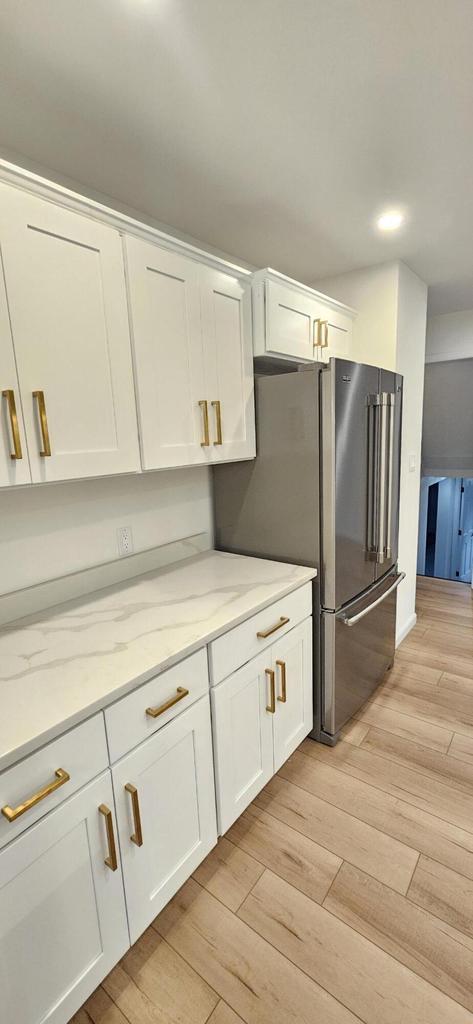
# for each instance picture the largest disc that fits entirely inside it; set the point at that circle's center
(345, 892)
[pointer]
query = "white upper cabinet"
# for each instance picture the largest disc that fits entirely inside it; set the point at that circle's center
(293, 321)
(164, 300)
(192, 338)
(228, 355)
(65, 288)
(14, 464)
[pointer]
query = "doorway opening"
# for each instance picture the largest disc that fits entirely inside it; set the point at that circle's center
(446, 528)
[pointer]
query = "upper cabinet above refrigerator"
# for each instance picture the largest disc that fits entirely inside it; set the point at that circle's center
(293, 321)
(192, 338)
(67, 320)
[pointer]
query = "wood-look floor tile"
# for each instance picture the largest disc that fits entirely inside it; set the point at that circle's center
(154, 985)
(444, 893)
(99, 1009)
(403, 821)
(422, 790)
(257, 981)
(432, 706)
(302, 862)
(440, 954)
(458, 684)
(340, 832)
(444, 662)
(223, 1014)
(362, 976)
(401, 724)
(462, 748)
(354, 732)
(403, 666)
(420, 758)
(229, 873)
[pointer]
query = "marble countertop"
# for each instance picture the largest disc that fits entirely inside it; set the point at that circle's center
(60, 666)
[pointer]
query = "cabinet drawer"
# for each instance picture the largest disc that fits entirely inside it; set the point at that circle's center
(81, 754)
(237, 646)
(128, 722)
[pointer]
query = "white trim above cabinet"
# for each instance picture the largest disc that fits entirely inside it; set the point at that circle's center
(293, 321)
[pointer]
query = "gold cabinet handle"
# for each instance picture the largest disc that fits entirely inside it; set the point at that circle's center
(262, 634)
(271, 707)
(282, 666)
(12, 813)
(136, 836)
(181, 692)
(43, 420)
(17, 453)
(205, 413)
(111, 860)
(325, 341)
(316, 333)
(218, 416)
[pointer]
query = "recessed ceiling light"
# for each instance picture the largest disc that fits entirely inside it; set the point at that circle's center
(390, 221)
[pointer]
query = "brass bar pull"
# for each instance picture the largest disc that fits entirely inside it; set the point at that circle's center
(282, 666)
(272, 689)
(205, 413)
(317, 340)
(218, 415)
(17, 453)
(181, 692)
(43, 420)
(111, 860)
(262, 634)
(137, 836)
(12, 813)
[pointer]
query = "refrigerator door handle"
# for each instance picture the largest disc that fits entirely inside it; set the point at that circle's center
(383, 483)
(352, 621)
(373, 479)
(390, 401)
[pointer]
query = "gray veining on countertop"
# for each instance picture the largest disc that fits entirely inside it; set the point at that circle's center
(59, 667)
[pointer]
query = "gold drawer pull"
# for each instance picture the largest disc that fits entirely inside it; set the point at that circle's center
(218, 415)
(17, 453)
(282, 666)
(111, 860)
(12, 813)
(262, 634)
(181, 692)
(136, 836)
(205, 413)
(43, 420)
(272, 689)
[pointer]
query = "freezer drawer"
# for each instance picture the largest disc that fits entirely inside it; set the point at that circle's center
(358, 646)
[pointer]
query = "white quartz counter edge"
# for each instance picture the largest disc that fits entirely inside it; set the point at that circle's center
(60, 667)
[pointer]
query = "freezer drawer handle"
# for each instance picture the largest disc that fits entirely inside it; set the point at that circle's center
(356, 618)
(263, 634)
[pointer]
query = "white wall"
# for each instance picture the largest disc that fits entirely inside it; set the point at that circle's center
(56, 529)
(449, 336)
(390, 331)
(373, 292)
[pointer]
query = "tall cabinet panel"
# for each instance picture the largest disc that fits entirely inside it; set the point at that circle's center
(66, 294)
(14, 464)
(166, 324)
(226, 319)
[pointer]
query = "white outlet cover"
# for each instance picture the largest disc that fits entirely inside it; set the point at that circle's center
(125, 541)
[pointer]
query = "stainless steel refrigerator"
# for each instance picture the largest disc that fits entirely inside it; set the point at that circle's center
(324, 491)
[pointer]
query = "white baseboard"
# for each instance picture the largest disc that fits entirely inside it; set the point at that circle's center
(402, 631)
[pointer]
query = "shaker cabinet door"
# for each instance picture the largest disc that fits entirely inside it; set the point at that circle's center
(290, 322)
(228, 358)
(164, 295)
(165, 796)
(66, 294)
(62, 912)
(243, 735)
(14, 463)
(292, 665)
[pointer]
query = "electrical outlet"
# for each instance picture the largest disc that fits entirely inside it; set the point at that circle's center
(125, 541)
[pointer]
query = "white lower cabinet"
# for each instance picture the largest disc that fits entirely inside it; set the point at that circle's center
(165, 799)
(62, 911)
(260, 715)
